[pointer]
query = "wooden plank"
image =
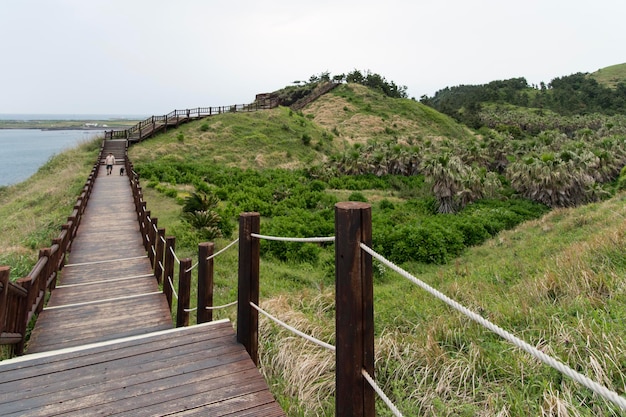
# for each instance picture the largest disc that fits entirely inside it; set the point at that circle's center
(37, 364)
(199, 370)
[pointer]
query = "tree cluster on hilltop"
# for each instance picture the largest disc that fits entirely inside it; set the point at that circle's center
(575, 94)
(289, 95)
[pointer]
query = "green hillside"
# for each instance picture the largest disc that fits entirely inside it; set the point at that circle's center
(610, 76)
(522, 221)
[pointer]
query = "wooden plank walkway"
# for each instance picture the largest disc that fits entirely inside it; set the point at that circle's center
(199, 370)
(105, 345)
(106, 290)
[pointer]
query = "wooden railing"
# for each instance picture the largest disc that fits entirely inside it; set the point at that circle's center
(319, 91)
(154, 124)
(23, 299)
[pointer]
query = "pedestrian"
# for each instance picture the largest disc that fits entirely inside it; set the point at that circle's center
(109, 161)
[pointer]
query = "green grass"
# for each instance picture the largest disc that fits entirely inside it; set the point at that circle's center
(610, 76)
(33, 211)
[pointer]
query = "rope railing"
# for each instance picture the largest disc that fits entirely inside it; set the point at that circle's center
(208, 258)
(295, 239)
(531, 350)
(222, 306)
(293, 329)
(174, 255)
(212, 308)
(381, 394)
(172, 287)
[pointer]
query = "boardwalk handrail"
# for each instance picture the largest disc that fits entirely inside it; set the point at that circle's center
(23, 299)
(353, 318)
(153, 124)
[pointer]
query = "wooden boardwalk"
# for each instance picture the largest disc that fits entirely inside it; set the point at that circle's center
(107, 289)
(199, 370)
(105, 345)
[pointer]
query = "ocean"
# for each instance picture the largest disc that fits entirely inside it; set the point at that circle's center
(24, 151)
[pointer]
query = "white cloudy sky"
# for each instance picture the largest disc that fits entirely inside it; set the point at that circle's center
(145, 57)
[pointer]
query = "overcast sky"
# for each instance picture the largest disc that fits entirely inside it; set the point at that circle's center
(148, 57)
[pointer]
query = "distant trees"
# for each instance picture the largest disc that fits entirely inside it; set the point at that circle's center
(575, 94)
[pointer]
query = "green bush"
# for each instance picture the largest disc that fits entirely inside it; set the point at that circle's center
(357, 196)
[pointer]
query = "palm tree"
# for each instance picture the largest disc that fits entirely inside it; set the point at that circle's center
(446, 173)
(199, 212)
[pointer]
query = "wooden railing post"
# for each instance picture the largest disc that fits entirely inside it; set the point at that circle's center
(170, 245)
(4, 295)
(205, 282)
(143, 224)
(184, 293)
(160, 250)
(354, 310)
(247, 316)
(152, 237)
(23, 310)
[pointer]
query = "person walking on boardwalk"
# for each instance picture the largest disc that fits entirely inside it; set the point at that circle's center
(109, 161)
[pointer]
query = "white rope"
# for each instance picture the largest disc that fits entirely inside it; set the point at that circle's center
(294, 239)
(156, 230)
(292, 329)
(153, 250)
(162, 239)
(172, 287)
(559, 366)
(174, 253)
(222, 250)
(191, 268)
(381, 394)
(222, 306)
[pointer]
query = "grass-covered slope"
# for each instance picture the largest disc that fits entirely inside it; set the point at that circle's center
(610, 76)
(32, 212)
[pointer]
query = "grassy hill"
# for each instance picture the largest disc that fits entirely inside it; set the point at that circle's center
(556, 281)
(610, 76)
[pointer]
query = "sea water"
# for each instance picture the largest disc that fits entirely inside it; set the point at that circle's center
(24, 151)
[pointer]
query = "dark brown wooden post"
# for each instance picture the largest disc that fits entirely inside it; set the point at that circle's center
(45, 275)
(23, 309)
(4, 295)
(247, 316)
(152, 237)
(184, 293)
(145, 226)
(158, 262)
(354, 310)
(205, 282)
(170, 245)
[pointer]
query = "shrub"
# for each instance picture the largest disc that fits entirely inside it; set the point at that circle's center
(306, 139)
(357, 196)
(386, 205)
(204, 127)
